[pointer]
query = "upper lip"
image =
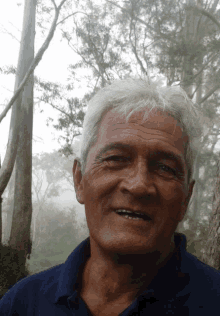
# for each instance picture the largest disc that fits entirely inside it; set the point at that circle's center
(132, 210)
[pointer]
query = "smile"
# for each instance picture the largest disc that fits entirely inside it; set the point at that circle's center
(133, 215)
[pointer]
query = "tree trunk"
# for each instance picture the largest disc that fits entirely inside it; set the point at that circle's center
(188, 35)
(211, 255)
(20, 238)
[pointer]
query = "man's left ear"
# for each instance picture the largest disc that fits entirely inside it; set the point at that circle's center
(78, 183)
(187, 199)
(190, 192)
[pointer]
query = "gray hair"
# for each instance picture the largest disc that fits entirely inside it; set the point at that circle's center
(129, 96)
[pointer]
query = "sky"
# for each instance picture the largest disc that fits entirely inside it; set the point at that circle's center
(52, 67)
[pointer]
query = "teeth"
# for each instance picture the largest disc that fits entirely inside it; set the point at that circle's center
(123, 211)
(134, 218)
(126, 211)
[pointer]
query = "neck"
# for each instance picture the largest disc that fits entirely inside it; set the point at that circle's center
(113, 275)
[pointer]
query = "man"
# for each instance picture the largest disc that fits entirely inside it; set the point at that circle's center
(134, 176)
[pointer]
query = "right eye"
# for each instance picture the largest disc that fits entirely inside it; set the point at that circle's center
(116, 160)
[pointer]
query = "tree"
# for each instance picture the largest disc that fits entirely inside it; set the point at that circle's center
(20, 135)
(211, 254)
(21, 221)
(116, 39)
(179, 41)
(21, 80)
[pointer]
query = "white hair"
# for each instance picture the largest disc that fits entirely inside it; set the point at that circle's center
(129, 96)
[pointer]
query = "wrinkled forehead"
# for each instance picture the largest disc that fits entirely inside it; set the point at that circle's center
(155, 120)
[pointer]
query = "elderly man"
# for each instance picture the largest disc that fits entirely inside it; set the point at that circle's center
(134, 176)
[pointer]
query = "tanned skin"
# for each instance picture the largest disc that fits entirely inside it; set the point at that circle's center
(136, 166)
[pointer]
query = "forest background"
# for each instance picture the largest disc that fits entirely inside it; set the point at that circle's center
(96, 42)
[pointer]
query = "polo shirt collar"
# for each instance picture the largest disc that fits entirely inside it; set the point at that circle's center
(169, 277)
(71, 271)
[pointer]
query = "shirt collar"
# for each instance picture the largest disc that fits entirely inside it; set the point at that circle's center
(72, 271)
(170, 275)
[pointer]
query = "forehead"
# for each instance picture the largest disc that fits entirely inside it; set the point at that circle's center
(158, 127)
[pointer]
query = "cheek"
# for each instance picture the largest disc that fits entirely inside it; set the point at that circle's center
(98, 191)
(101, 183)
(172, 192)
(172, 198)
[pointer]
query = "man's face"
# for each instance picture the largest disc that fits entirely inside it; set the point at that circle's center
(136, 167)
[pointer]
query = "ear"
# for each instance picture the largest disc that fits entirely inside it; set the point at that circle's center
(78, 181)
(190, 192)
(188, 197)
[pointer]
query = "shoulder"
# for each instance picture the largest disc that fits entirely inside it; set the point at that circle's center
(201, 291)
(200, 271)
(46, 292)
(29, 291)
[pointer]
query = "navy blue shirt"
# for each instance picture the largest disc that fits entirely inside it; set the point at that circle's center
(184, 286)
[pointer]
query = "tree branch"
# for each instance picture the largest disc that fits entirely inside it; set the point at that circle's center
(36, 60)
(61, 4)
(68, 16)
(135, 50)
(209, 94)
(203, 67)
(196, 89)
(62, 111)
(135, 17)
(210, 16)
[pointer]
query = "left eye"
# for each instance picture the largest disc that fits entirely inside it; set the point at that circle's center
(167, 169)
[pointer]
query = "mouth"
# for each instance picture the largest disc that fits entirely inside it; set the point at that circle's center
(133, 215)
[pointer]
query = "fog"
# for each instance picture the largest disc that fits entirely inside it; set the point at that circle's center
(58, 220)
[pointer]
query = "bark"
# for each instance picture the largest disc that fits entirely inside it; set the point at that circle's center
(22, 210)
(211, 255)
(209, 93)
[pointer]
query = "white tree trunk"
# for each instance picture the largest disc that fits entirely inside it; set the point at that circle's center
(22, 211)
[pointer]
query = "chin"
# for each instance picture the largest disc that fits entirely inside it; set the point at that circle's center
(125, 243)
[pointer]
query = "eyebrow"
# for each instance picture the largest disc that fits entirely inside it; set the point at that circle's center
(164, 153)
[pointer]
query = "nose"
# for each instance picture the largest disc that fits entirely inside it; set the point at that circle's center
(138, 181)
